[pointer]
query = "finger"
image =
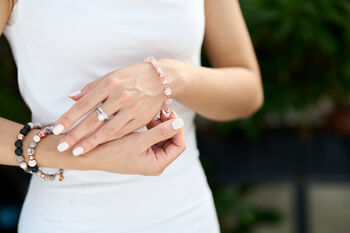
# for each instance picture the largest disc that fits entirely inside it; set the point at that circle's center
(87, 88)
(161, 132)
(107, 132)
(171, 149)
(164, 117)
(153, 123)
(91, 123)
(79, 109)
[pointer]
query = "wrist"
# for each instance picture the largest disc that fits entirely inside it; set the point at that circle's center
(177, 76)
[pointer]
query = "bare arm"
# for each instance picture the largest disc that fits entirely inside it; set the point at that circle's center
(10, 129)
(232, 89)
(147, 156)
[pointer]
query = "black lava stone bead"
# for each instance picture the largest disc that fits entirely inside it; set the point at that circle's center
(18, 143)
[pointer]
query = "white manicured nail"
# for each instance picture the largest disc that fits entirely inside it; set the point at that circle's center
(177, 123)
(74, 93)
(58, 129)
(62, 146)
(78, 150)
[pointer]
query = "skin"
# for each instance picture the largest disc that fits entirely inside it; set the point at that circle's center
(230, 90)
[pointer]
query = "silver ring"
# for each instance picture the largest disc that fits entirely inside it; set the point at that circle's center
(101, 115)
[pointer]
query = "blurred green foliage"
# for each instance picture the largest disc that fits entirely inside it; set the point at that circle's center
(11, 104)
(303, 48)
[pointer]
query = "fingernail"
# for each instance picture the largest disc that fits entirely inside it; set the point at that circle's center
(62, 146)
(58, 129)
(177, 123)
(75, 93)
(78, 150)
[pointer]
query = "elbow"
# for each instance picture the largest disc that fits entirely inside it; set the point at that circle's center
(250, 107)
(256, 104)
(247, 110)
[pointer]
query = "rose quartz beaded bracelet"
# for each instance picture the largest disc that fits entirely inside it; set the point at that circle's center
(32, 167)
(164, 79)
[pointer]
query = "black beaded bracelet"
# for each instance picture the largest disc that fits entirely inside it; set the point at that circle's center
(19, 143)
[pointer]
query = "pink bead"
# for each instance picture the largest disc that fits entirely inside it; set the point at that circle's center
(167, 91)
(42, 133)
(20, 136)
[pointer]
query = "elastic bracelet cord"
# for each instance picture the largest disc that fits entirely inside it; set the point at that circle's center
(32, 167)
(166, 109)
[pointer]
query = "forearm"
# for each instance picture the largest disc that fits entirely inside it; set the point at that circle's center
(46, 152)
(216, 93)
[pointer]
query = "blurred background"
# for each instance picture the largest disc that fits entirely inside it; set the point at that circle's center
(287, 168)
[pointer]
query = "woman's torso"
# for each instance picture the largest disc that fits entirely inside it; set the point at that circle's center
(61, 45)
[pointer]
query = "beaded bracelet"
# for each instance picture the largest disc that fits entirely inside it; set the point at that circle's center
(163, 78)
(19, 143)
(32, 162)
(32, 167)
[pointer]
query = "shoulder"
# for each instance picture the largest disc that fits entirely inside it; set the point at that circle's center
(6, 7)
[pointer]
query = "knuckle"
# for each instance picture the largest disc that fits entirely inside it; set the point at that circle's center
(91, 122)
(119, 134)
(72, 137)
(126, 95)
(81, 105)
(65, 120)
(108, 130)
(111, 81)
(87, 144)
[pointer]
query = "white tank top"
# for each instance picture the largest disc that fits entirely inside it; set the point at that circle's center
(61, 45)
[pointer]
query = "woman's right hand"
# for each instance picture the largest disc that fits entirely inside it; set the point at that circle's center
(143, 153)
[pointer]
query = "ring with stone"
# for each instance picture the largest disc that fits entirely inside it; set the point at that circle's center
(101, 115)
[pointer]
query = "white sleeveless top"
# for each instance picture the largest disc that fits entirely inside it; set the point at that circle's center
(61, 45)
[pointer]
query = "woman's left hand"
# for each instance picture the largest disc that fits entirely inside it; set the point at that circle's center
(131, 97)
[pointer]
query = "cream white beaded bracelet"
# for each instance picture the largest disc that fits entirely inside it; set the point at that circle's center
(32, 167)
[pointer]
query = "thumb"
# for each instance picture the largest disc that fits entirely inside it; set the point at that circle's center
(88, 87)
(161, 132)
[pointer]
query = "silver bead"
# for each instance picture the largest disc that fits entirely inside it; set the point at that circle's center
(30, 151)
(23, 165)
(37, 125)
(39, 173)
(36, 138)
(31, 163)
(48, 130)
(32, 144)
(19, 158)
(31, 124)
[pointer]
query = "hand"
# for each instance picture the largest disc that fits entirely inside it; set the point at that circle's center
(143, 153)
(132, 96)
